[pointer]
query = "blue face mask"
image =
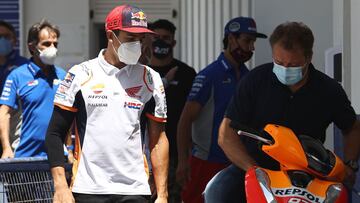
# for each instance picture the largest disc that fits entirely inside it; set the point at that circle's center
(5, 46)
(288, 75)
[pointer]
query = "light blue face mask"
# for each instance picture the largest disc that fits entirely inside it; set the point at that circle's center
(5, 46)
(288, 75)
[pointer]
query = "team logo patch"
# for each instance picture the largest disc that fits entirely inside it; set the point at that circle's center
(62, 89)
(162, 89)
(149, 77)
(33, 83)
(98, 88)
(68, 79)
(138, 19)
(132, 105)
(56, 81)
(132, 91)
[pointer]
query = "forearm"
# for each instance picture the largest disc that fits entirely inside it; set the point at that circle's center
(160, 164)
(4, 129)
(58, 174)
(233, 147)
(351, 143)
(184, 140)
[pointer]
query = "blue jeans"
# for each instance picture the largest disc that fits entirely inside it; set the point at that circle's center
(227, 186)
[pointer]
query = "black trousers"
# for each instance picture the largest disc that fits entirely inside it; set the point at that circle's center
(90, 198)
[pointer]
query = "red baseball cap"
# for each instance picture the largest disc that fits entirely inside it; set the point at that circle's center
(127, 18)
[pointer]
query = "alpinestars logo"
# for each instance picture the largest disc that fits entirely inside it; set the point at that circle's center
(132, 91)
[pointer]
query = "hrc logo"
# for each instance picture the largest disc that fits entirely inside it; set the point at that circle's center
(132, 105)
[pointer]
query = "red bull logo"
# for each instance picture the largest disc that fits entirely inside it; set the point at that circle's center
(138, 16)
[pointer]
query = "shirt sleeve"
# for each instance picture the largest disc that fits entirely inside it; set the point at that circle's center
(69, 87)
(9, 91)
(156, 107)
(344, 114)
(201, 88)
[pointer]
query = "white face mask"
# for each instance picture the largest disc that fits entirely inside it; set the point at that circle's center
(129, 52)
(48, 55)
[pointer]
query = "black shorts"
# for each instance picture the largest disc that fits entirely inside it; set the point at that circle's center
(91, 198)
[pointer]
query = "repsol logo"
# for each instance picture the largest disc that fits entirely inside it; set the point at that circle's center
(97, 97)
(299, 193)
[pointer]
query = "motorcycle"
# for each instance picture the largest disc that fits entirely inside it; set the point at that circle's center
(308, 171)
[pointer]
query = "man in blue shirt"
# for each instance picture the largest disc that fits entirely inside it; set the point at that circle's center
(9, 59)
(205, 107)
(33, 86)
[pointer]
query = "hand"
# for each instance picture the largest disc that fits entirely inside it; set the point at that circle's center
(183, 173)
(350, 177)
(161, 200)
(63, 195)
(70, 157)
(170, 75)
(7, 153)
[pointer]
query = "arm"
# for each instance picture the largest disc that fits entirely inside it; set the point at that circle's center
(159, 153)
(351, 151)
(58, 127)
(4, 132)
(184, 140)
(233, 147)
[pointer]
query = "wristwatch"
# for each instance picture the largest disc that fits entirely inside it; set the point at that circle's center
(353, 164)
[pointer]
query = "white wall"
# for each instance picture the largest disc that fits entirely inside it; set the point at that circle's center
(318, 15)
(73, 19)
(202, 27)
(355, 54)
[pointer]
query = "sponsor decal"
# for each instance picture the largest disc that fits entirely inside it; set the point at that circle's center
(68, 79)
(60, 96)
(62, 89)
(226, 81)
(98, 88)
(6, 89)
(234, 27)
(297, 195)
(97, 104)
(56, 81)
(4, 98)
(97, 97)
(138, 19)
(149, 77)
(132, 105)
(198, 85)
(132, 91)
(162, 89)
(6, 94)
(8, 83)
(33, 83)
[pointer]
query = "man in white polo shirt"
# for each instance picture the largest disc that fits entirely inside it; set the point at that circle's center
(106, 96)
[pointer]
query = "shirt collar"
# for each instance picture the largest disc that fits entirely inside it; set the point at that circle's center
(33, 68)
(110, 69)
(228, 67)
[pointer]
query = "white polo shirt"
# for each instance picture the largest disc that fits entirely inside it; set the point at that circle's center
(109, 102)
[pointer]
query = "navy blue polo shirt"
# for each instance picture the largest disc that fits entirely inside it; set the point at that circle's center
(213, 88)
(13, 60)
(261, 99)
(36, 92)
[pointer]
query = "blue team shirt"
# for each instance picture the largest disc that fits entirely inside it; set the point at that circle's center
(28, 85)
(213, 88)
(13, 61)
